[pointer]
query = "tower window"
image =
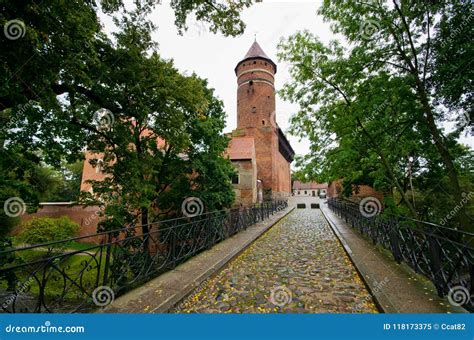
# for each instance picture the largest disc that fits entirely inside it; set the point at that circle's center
(263, 122)
(254, 62)
(235, 179)
(254, 109)
(251, 82)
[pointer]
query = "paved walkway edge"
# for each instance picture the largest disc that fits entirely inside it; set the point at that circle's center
(161, 294)
(397, 294)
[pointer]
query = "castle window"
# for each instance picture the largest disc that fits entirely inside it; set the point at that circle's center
(265, 64)
(254, 109)
(254, 62)
(263, 122)
(235, 179)
(251, 82)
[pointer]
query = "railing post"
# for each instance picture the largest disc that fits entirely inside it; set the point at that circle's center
(436, 266)
(395, 243)
(108, 255)
(173, 247)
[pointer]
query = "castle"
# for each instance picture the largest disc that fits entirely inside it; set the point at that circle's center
(259, 149)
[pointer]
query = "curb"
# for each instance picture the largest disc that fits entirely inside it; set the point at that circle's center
(375, 296)
(382, 302)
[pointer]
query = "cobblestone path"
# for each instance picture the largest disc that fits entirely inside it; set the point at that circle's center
(298, 266)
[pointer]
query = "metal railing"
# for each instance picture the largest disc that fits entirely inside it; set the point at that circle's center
(54, 278)
(444, 255)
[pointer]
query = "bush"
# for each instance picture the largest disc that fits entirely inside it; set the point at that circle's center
(47, 229)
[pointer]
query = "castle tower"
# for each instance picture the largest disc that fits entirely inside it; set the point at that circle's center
(255, 89)
(256, 118)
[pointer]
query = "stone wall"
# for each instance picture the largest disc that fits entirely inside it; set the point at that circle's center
(246, 189)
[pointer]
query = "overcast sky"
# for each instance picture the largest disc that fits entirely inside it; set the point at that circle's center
(214, 56)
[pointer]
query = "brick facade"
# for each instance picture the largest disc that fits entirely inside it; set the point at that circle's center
(358, 192)
(87, 217)
(256, 118)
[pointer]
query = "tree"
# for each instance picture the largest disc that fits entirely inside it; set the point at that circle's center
(335, 82)
(57, 51)
(162, 140)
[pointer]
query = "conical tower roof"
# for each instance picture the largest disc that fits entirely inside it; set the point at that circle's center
(256, 51)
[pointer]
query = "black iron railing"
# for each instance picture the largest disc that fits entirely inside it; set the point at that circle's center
(443, 255)
(54, 278)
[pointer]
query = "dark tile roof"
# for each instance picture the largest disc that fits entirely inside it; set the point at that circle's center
(255, 51)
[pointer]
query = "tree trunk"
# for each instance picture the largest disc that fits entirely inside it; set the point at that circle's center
(445, 156)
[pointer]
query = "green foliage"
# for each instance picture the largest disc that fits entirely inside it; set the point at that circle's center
(371, 109)
(45, 229)
(63, 68)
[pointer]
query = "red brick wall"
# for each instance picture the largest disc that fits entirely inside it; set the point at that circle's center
(86, 217)
(255, 94)
(358, 192)
(256, 118)
(89, 172)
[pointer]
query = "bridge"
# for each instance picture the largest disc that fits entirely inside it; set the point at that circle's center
(303, 256)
